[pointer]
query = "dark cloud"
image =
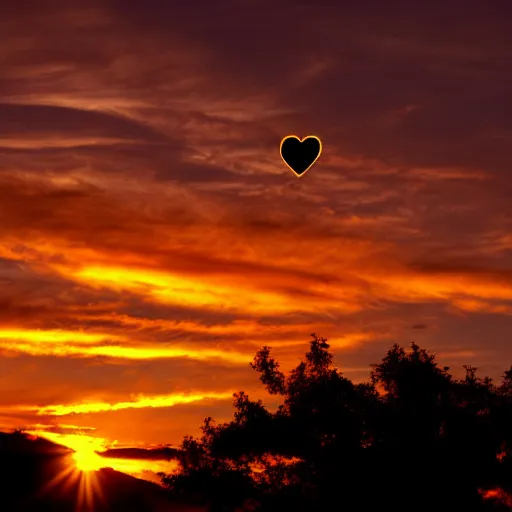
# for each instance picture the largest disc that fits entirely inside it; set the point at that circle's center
(141, 453)
(22, 121)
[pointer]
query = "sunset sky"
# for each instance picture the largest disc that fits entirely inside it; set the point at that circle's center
(151, 238)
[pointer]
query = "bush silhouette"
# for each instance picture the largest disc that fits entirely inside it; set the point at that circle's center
(412, 438)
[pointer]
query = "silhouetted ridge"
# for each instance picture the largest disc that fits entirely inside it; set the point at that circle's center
(21, 443)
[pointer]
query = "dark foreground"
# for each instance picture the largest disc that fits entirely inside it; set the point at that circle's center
(38, 476)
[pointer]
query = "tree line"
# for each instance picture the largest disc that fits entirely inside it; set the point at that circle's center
(411, 438)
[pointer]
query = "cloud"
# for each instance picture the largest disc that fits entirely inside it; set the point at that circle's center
(152, 240)
(139, 402)
(141, 453)
(63, 344)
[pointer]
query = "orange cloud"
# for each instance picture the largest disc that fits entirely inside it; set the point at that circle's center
(139, 402)
(53, 337)
(147, 183)
(181, 290)
(58, 343)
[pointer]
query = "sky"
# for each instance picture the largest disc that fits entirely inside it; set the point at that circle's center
(152, 239)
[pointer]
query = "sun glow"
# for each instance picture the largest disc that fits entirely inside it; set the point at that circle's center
(79, 475)
(88, 461)
(89, 491)
(86, 458)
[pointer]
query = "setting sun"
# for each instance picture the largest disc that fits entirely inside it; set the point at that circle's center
(85, 456)
(86, 460)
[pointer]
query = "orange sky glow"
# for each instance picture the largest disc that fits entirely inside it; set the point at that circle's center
(152, 240)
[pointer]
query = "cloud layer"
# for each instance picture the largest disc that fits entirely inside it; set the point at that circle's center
(151, 238)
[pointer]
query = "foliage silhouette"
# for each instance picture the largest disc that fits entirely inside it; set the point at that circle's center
(412, 438)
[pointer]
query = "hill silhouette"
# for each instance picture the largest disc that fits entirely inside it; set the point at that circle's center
(37, 475)
(412, 438)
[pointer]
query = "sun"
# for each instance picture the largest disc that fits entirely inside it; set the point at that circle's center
(78, 475)
(85, 448)
(88, 460)
(79, 471)
(85, 456)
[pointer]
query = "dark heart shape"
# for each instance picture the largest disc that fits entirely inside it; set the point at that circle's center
(300, 155)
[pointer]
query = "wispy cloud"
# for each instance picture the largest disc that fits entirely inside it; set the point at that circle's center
(152, 239)
(62, 344)
(137, 403)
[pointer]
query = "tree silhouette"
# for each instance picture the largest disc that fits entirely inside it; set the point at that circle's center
(412, 438)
